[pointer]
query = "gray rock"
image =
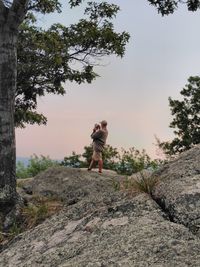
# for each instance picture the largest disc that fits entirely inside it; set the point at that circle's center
(70, 185)
(131, 232)
(101, 227)
(178, 193)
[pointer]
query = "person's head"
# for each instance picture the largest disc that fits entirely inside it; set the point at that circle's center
(104, 124)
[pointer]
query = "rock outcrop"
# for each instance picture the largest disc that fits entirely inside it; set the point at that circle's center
(100, 226)
(178, 192)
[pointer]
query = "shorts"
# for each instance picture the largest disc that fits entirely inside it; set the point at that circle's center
(97, 155)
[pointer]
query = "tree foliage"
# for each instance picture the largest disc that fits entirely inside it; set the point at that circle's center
(47, 58)
(133, 161)
(166, 7)
(122, 161)
(186, 119)
(73, 161)
(36, 165)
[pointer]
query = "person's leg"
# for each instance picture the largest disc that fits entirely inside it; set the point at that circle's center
(91, 165)
(100, 162)
(92, 161)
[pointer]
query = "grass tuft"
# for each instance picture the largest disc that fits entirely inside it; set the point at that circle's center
(39, 209)
(145, 183)
(139, 183)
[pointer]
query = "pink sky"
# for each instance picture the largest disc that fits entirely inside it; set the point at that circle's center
(131, 94)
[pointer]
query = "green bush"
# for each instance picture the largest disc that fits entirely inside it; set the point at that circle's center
(73, 161)
(21, 170)
(132, 161)
(125, 162)
(109, 155)
(36, 165)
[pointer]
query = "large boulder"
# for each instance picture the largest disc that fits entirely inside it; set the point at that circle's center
(128, 232)
(178, 192)
(100, 226)
(71, 185)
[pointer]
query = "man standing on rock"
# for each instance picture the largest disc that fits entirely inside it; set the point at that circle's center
(99, 137)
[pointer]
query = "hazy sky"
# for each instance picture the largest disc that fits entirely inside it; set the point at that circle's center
(131, 94)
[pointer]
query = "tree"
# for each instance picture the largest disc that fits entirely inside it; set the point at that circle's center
(186, 112)
(186, 121)
(11, 16)
(44, 64)
(62, 53)
(166, 7)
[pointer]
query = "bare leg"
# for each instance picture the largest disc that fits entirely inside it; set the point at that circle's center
(91, 165)
(100, 165)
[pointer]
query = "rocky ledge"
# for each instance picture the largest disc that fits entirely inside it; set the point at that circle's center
(100, 226)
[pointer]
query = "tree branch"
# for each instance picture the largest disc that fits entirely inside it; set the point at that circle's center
(86, 54)
(78, 52)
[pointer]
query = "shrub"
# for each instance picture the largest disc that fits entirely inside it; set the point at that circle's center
(73, 161)
(39, 209)
(36, 165)
(125, 162)
(133, 161)
(21, 170)
(145, 183)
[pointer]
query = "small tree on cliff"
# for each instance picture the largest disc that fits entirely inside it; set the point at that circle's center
(186, 121)
(44, 64)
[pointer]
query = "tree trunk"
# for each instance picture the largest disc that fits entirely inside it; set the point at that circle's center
(8, 67)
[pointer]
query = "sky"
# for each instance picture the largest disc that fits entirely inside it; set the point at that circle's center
(131, 93)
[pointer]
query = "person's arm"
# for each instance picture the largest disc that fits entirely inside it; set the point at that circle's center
(96, 134)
